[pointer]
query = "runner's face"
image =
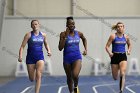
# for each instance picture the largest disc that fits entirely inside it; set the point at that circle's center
(35, 25)
(120, 28)
(71, 24)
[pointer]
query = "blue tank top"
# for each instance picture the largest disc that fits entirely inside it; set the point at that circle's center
(72, 45)
(118, 45)
(35, 43)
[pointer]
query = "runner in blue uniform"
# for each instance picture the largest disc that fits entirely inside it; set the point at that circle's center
(118, 54)
(35, 57)
(69, 40)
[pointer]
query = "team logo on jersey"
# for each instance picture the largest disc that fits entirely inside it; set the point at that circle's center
(39, 39)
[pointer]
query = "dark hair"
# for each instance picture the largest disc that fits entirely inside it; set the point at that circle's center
(69, 18)
(33, 21)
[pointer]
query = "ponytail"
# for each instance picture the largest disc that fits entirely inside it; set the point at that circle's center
(114, 27)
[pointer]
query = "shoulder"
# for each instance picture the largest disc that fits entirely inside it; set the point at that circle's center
(43, 34)
(80, 33)
(28, 35)
(62, 33)
(112, 35)
(126, 36)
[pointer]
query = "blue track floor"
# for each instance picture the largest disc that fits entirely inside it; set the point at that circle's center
(87, 84)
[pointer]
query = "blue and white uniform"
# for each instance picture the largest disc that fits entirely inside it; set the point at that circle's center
(118, 45)
(35, 48)
(71, 51)
(118, 50)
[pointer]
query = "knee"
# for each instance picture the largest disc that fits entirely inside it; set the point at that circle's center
(122, 74)
(38, 75)
(38, 78)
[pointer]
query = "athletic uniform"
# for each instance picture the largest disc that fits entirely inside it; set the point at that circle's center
(71, 51)
(35, 48)
(118, 50)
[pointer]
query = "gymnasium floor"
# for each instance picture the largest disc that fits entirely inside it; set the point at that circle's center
(87, 84)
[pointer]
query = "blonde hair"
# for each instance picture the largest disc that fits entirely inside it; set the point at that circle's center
(114, 27)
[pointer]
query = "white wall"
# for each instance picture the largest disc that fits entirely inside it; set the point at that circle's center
(110, 7)
(63, 7)
(44, 7)
(96, 32)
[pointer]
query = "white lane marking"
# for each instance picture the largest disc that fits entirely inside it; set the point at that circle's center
(129, 89)
(26, 89)
(60, 88)
(94, 87)
(32, 86)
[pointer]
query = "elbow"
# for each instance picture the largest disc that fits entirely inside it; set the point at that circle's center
(21, 48)
(60, 49)
(85, 40)
(106, 48)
